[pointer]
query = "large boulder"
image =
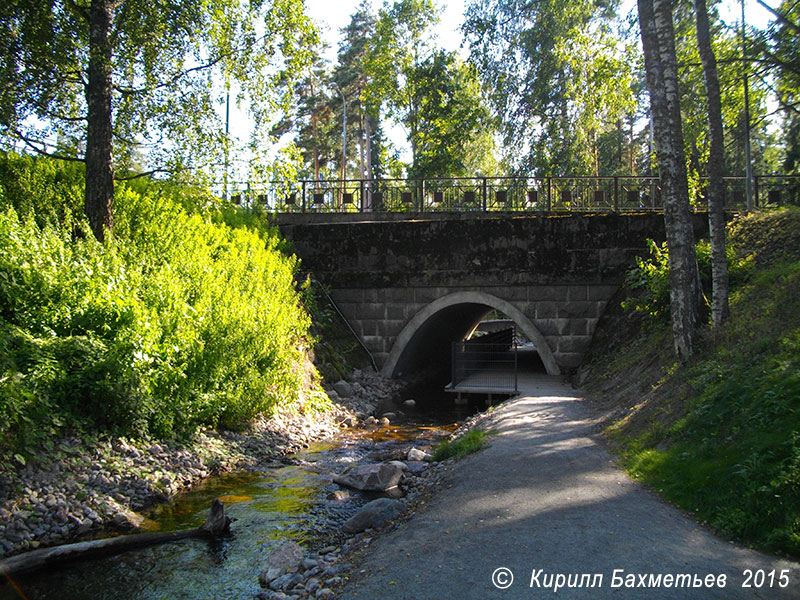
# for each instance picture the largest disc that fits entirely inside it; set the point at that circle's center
(284, 558)
(374, 478)
(374, 514)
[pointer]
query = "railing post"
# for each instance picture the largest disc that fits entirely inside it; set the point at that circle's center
(516, 368)
(304, 195)
(422, 195)
(755, 191)
(549, 186)
(616, 193)
(485, 199)
(453, 363)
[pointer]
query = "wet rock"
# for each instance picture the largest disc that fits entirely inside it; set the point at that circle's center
(312, 585)
(378, 478)
(285, 582)
(374, 514)
(338, 495)
(285, 557)
(127, 520)
(410, 403)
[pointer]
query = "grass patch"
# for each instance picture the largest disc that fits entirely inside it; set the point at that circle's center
(470, 442)
(720, 437)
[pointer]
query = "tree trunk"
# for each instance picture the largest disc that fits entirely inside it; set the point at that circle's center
(99, 168)
(216, 526)
(658, 41)
(368, 136)
(716, 195)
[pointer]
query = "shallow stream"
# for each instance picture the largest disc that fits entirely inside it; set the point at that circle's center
(279, 502)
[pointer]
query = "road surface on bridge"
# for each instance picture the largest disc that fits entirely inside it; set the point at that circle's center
(546, 499)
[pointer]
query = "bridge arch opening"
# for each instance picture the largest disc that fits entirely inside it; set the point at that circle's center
(426, 339)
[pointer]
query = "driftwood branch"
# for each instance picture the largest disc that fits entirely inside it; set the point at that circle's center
(216, 526)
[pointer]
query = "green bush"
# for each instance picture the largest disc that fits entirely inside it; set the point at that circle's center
(39, 188)
(650, 278)
(178, 321)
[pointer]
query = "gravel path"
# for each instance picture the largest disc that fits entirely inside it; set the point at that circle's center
(546, 502)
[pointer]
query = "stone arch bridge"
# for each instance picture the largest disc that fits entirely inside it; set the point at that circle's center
(409, 285)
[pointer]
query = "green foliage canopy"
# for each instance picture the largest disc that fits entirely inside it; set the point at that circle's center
(169, 63)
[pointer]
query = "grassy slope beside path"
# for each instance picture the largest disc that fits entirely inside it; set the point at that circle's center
(719, 437)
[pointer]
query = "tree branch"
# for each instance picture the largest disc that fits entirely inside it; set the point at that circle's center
(172, 80)
(32, 144)
(148, 173)
(782, 18)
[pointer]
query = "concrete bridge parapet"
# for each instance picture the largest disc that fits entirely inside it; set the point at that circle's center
(410, 288)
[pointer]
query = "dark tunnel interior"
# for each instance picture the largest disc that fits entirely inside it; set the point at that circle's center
(428, 353)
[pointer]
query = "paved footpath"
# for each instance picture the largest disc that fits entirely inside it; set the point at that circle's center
(546, 503)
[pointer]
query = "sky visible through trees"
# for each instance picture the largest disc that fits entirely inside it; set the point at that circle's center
(332, 17)
(432, 88)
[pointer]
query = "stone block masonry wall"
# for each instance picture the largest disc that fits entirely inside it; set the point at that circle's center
(566, 315)
(559, 270)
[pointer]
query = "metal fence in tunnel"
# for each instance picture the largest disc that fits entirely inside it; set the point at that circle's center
(484, 367)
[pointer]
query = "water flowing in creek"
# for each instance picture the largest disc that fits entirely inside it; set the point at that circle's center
(287, 501)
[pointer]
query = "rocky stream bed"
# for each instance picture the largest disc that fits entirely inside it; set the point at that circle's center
(87, 488)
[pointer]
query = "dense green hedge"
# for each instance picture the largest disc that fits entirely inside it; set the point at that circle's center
(179, 320)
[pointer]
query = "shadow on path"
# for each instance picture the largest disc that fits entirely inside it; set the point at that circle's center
(545, 495)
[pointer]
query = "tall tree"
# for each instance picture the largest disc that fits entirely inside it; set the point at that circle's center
(352, 77)
(522, 51)
(784, 52)
(113, 75)
(658, 43)
(450, 128)
(432, 94)
(716, 156)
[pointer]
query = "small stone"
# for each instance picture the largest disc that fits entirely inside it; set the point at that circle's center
(338, 496)
(325, 594)
(312, 585)
(85, 526)
(410, 403)
(417, 455)
(286, 582)
(344, 389)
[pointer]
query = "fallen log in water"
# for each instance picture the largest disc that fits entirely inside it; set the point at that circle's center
(216, 526)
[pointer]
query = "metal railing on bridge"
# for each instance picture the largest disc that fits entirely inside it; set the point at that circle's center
(618, 193)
